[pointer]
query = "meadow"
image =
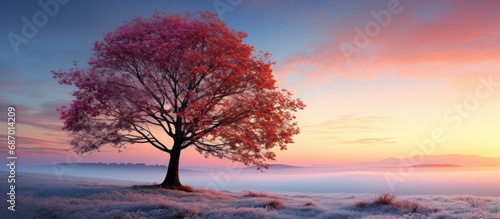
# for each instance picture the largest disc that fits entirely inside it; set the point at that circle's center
(45, 196)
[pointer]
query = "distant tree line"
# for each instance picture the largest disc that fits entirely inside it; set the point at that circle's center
(112, 164)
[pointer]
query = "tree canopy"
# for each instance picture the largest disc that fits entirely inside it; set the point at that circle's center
(188, 77)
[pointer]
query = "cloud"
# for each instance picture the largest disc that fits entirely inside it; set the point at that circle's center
(350, 123)
(38, 145)
(44, 150)
(354, 129)
(44, 116)
(370, 141)
(39, 141)
(5, 103)
(30, 141)
(423, 41)
(38, 127)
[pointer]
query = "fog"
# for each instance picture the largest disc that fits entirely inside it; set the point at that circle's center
(44, 196)
(481, 181)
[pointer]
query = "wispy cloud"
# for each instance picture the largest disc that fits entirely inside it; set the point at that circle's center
(422, 42)
(44, 116)
(350, 123)
(39, 141)
(370, 141)
(38, 128)
(354, 129)
(38, 145)
(44, 150)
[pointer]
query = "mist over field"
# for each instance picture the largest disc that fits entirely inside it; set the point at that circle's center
(44, 196)
(437, 180)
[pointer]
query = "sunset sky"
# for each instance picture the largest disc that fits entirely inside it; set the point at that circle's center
(380, 78)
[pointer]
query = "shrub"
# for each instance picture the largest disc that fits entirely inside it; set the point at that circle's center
(274, 204)
(309, 203)
(385, 199)
(256, 194)
(406, 206)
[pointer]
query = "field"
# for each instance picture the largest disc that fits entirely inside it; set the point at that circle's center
(44, 196)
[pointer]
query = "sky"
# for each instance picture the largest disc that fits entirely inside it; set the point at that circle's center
(390, 78)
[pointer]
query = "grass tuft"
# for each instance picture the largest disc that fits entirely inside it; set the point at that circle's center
(274, 204)
(406, 206)
(256, 194)
(309, 203)
(385, 199)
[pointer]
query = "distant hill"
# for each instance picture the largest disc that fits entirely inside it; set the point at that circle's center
(110, 165)
(463, 160)
(447, 160)
(456, 160)
(116, 166)
(436, 165)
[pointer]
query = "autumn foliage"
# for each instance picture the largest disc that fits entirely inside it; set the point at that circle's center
(189, 77)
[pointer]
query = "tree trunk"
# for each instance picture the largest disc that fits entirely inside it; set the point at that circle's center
(172, 178)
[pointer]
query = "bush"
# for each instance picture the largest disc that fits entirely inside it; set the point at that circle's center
(309, 203)
(406, 206)
(274, 204)
(255, 194)
(385, 199)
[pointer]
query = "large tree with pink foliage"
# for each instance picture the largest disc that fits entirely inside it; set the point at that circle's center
(186, 77)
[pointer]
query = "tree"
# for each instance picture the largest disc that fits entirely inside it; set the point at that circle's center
(190, 78)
